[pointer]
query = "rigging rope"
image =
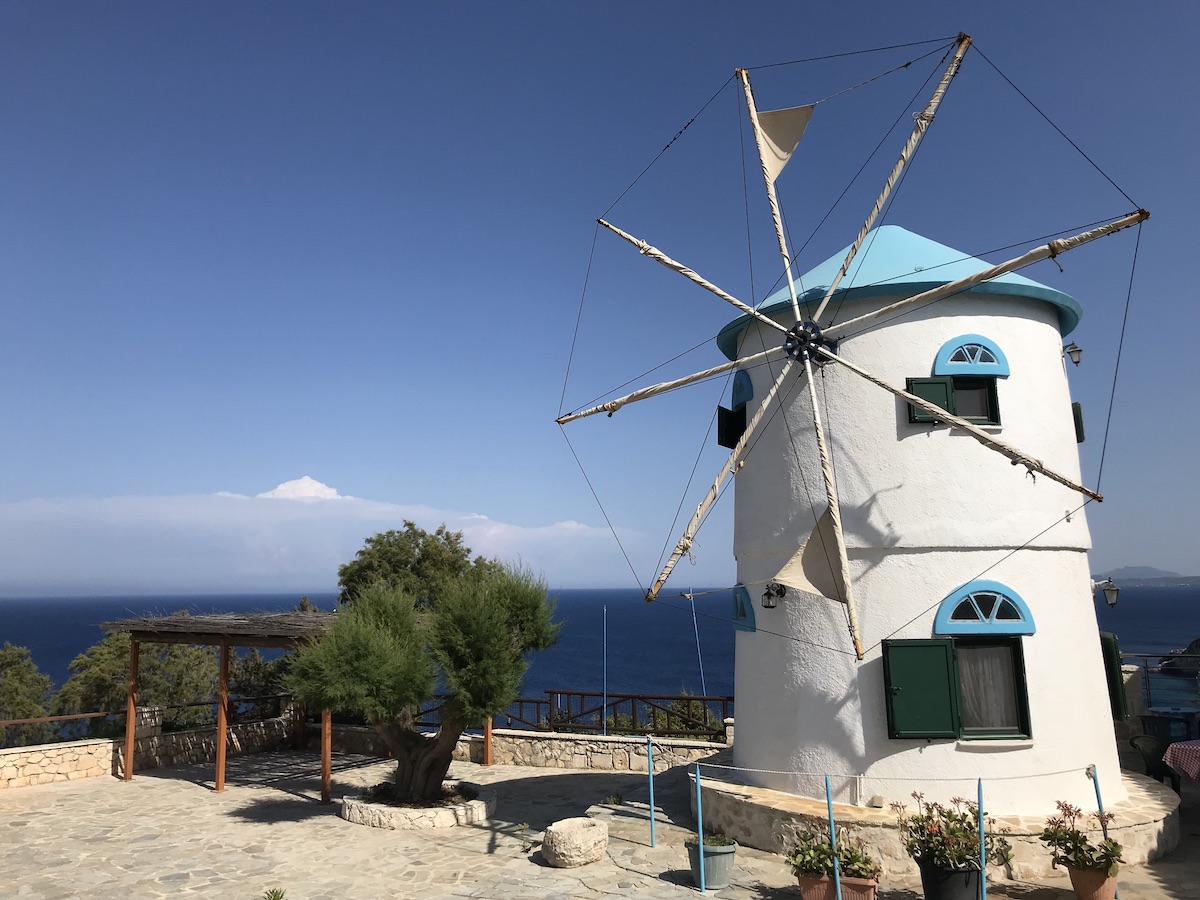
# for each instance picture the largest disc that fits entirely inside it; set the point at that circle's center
(1117, 366)
(1055, 127)
(796, 62)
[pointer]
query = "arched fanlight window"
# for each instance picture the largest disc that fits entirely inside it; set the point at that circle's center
(983, 607)
(971, 354)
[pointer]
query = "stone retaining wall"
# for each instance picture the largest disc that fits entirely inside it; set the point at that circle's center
(181, 748)
(46, 763)
(72, 760)
(542, 749)
(1146, 825)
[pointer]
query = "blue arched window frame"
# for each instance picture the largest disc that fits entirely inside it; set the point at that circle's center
(971, 354)
(984, 621)
(743, 609)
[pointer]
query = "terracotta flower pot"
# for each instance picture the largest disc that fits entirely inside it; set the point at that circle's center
(1092, 884)
(821, 887)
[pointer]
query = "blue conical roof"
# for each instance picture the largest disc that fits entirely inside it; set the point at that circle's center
(893, 260)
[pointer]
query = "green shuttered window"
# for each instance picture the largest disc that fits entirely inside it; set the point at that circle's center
(972, 688)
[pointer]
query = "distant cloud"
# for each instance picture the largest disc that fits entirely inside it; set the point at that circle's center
(303, 488)
(233, 543)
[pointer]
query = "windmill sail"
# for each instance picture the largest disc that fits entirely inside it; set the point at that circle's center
(781, 131)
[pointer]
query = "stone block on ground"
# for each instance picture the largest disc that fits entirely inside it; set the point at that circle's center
(574, 842)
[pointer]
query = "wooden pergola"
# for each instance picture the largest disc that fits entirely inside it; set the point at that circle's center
(288, 630)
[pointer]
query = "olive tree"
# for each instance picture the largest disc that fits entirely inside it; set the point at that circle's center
(461, 627)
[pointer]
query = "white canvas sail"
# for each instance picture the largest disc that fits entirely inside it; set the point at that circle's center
(781, 131)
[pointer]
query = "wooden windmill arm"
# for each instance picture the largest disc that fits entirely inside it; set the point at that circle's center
(730, 468)
(923, 121)
(835, 513)
(990, 441)
(658, 256)
(1054, 248)
(663, 387)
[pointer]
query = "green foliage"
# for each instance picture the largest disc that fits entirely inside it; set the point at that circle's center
(481, 628)
(372, 661)
(711, 839)
(24, 692)
(1071, 846)
(809, 851)
(413, 561)
(430, 619)
(274, 894)
(948, 837)
(168, 675)
(614, 799)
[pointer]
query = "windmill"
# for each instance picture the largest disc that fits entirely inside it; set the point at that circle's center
(815, 362)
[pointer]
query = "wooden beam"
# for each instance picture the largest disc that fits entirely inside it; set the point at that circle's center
(326, 756)
(222, 716)
(131, 710)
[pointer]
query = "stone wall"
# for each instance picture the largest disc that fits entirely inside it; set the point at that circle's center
(181, 748)
(46, 763)
(71, 760)
(1146, 824)
(513, 747)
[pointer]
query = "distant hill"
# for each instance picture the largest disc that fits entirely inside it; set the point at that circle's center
(1146, 576)
(1139, 572)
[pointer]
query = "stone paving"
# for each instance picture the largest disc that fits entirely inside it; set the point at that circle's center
(167, 834)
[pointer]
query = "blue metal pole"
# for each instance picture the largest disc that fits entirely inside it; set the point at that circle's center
(650, 772)
(982, 846)
(837, 869)
(700, 826)
(1095, 776)
(604, 705)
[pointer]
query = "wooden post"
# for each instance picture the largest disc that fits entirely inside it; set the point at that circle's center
(487, 741)
(222, 723)
(326, 755)
(131, 709)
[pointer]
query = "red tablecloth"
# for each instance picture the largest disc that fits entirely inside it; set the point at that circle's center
(1184, 757)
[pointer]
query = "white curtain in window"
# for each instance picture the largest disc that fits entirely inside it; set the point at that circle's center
(987, 685)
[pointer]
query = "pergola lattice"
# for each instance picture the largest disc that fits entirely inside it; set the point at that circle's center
(287, 630)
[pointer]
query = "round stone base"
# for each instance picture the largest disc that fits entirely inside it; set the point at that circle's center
(1146, 825)
(400, 818)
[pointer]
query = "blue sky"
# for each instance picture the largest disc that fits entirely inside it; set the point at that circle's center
(248, 243)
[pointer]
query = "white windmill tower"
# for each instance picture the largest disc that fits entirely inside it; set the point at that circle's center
(929, 615)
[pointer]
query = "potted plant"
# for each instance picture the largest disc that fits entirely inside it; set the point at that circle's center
(719, 853)
(944, 841)
(810, 853)
(1092, 867)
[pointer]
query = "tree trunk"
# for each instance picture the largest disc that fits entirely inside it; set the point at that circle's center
(422, 760)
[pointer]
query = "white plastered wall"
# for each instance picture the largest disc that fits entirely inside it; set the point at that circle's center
(926, 510)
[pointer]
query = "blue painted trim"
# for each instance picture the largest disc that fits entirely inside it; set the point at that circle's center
(943, 366)
(743, 389)
(943, 625)
(743, 610)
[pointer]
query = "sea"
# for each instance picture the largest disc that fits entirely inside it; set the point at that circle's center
(611, 639)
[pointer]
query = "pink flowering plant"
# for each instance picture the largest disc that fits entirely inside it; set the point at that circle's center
(1071, 845)
(948, 836)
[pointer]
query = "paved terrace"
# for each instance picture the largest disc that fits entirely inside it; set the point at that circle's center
(168, 834)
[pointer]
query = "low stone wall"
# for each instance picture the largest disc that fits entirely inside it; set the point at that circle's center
(543, 749)
(72, 760)
(181, 748)
(47, 763)
(1146, 825)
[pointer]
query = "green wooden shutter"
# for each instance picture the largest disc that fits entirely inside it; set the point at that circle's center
(1077, 414)
(1112, 670)
(938, 390)
(921, 684)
